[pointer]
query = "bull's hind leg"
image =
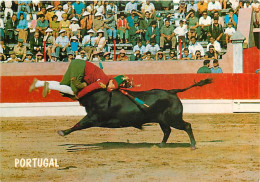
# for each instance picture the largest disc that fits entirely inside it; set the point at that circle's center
(84, 123)
(166, 133)
(182, 125)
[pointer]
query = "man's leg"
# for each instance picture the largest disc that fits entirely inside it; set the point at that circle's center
(57, 51)
(162, 39)
(126, 35)
(114, 33)
(173, 42)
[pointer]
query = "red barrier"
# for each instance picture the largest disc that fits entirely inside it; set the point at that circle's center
(251, 58)
(224, 86)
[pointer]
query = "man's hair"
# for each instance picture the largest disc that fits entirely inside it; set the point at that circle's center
(231, 10)
(205, 62)
(148, 52)
(204, 12)
(215, 61)
(186, 49)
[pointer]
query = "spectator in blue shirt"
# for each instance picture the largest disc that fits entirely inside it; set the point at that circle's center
(62, 42)
(78, 8)
(216, 68)
(22, 27)
(231, 17)
(74, 43)
(25, 4)
(134, 16)
(186, 55)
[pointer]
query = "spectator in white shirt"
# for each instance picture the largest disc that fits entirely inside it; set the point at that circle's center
(181, 32)
(191, 6)
(152, 47)
(148, 6)
(99, 8)
(195, 46)
(130, 6)
(74, 27)
(59, 13)
(215, 43)
(139, 47)
(229, 32)
(214, 6)
(204, 23)
(8, 9)
(112, 7)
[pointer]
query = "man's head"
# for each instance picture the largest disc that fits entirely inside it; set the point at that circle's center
(21, 16)
(153, 23)
(118, 81)
(193, 40)
(36, 35)
(152, 42)
(122, 53)
(213, 1)
(14, 17)
(147, 14)
(160, 54)
(231, 12)
(54, 18)
(64, 16)
(206, 63)
(82, 53)
(204, 14)
(211, 48)
(107, 55)
(215, 14)
(186, 51)
(148, 54)
(215, 63)
(201, 1)
(122, 15)
(133, 12)
(137, 52)
(215, 21)
(12, 54)
(192, 13)
(172, 53)
(98, 16)
(139, 43)
(181, 23)
(229, 24)
(41, 17)
(29, 55)
(198, 53)
(211, 39)
(167, 23)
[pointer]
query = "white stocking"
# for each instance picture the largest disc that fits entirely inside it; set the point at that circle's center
(54, 85)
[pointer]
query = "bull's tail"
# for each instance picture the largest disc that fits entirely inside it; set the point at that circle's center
(200, 84)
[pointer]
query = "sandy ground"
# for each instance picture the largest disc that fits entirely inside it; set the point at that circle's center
(228, 150)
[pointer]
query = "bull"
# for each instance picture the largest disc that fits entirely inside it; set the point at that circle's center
(115, 110)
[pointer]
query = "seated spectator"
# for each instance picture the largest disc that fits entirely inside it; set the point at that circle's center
(148, 57)
(198, 55)
(152, 33)
(95, 56)
(122, 28)
(29, 58)
(181, 32)
(31, 25)
(8, 12)
(152, 47)
(182, 8)
(215, 43)
(160, 56)
(59, 12)
(68, 9)
(139, 47)
(159, 21)
(111, 6)
(2, 58)
(88, 43)
(219, 18)
(229, 32)
(65, 24)
(234, 5)
(24, 4)
(216, 68)
(22, 27)
(186, 55)
(130, 6)
(205, 68)
(39, 57)
(204, 23)
(100, 40)
(135, 32)
(193, 23)
(52, 58)
(90, 7)
(131, 18)
(55, 26)
(136, 56)
(41, 25)
(74, 28)
(212, 53)
(194, 46)
(20, 50)
(231, 17)
(98, 23)
(192, 6)
(216, 31)
(145, 22)
(202, 6)
(85, 23)
(83, 56)
(74, 43)
(99, 8)
(13, 58)
(50, 13)
(4, 48)
(69, 58)
(148, 7)
(10, 33)
(50, 42)
(106, 56)
(122, 56)
(110, 25)
(167, 35)
(172, 55)
(36, 43)
(214, 6)
(62, 43)
(78, 8)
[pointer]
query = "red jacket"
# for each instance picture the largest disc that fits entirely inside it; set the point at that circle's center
(93, 75)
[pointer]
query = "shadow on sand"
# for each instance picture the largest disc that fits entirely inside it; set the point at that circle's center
(120, 145)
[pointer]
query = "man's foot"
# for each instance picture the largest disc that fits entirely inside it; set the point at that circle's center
(78, 84)
(60, 132)
(32, 87)
(45, 89)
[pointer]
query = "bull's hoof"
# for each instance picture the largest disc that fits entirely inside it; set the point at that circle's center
(61, 133)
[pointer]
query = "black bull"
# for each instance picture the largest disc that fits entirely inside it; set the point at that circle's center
(116, 110)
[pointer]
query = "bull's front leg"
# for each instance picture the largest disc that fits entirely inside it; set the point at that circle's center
(84, 123)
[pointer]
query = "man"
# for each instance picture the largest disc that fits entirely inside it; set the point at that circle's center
(24, 4)
(88, 42)
(215, 43)
(132, 5)
(98, 23)
(181, 32)
(41, 25)
(231, 17)
(20, 50)
(139, 47)
(204, 23)
(152, 47)
(69, 58)
(202, 6)
(135, 32)
(212, 53)
(205, 68)
(10, 34)
(123, 28)
(80, 78)
(145, 22)
(214, 6)
(216, 31)
(186, 55)
(160, 56)
(110, 25)
(58, 12)
(220, 18)
(216, 68)
(134, 16)
(62, 42)
(194, 46)
(36, 43)
(167, 35)
(152, 33)
(78, 8)
(148, 7)
(159, 21)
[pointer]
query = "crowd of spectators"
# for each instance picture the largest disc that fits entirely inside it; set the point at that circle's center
(62, 30)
